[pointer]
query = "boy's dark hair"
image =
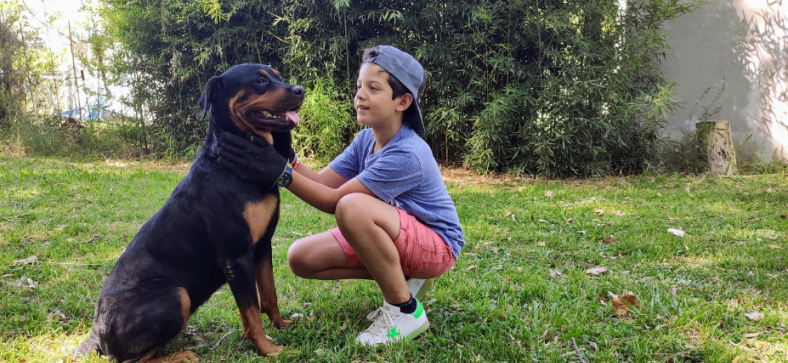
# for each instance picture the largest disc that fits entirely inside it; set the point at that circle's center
(396, 86)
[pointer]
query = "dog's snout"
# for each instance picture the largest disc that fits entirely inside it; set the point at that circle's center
(298, 91)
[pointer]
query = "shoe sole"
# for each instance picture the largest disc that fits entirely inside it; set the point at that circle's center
(417, 332)
(424, 288)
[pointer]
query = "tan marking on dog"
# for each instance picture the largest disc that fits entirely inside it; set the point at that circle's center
(275, 72)
(239, 108)
(254, 332)
(258, 215)
(264, 73)
(186, 305)
(180, 357)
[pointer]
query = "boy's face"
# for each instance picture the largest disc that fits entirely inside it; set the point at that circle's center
(373, 102)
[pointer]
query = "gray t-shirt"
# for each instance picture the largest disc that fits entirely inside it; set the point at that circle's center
(404, 174)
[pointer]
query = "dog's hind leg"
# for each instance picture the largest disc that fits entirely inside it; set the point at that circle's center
(240, 277)
(137, 325)
(91, 344)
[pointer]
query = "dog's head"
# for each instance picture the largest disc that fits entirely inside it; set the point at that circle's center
(252, 97)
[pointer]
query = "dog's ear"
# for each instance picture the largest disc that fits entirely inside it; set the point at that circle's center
(213, 88)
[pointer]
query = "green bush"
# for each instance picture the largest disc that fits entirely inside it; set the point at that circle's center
(551, 87)
(330, 124)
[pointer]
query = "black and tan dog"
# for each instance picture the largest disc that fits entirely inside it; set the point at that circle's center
(215, 228)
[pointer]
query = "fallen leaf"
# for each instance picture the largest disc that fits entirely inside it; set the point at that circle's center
(95, 238)
(624, 302)
(619, 213)
(659, 194)
(599, 212)
(597, 270)
(7, 275)
(751, 335)
(556, 273)
(687, 189)
(583, 232)
(609, 240)
(319, 351)
(31, 283)
(297, 316)
(776, 247)
(312, 316)
(754, 315)
(27, 261)
(783, 216)
(593, 345)
(548, 194)
(471, 268)
(769, 190)
(677, 232)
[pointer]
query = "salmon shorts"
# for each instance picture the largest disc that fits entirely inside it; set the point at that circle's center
(422, 252)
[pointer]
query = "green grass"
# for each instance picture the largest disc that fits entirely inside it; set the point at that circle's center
(508, 298)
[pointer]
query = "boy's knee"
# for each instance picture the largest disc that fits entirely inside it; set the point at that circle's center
(297, 259)
(349, 207)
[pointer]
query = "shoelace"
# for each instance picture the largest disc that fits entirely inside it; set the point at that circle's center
(381, 320)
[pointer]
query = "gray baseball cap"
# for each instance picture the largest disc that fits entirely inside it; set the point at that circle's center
(410, 73)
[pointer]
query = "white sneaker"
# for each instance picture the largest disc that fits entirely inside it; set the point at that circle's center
(419, 287)
(390, 325)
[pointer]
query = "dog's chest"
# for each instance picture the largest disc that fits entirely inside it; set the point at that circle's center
(258, 215)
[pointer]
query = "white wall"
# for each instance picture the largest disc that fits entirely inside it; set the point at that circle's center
(741, 45)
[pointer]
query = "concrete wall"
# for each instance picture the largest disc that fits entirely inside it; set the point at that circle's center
(737, 52)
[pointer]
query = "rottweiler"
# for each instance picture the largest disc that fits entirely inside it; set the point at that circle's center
(214, 229)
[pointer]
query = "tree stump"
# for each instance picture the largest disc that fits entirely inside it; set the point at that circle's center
(716, 141)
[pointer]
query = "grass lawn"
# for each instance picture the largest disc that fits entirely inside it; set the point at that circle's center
(520, 291)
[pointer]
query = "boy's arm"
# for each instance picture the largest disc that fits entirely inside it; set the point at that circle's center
(321, 196)
(327, 176)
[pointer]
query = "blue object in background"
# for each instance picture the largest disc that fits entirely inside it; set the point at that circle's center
(96, 110)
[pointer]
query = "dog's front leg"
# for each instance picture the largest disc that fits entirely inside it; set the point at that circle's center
(264, 275)
(240, 277)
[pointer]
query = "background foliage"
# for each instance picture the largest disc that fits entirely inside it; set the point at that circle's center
(543, 87)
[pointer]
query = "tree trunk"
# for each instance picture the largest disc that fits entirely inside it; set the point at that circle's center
(715, 136)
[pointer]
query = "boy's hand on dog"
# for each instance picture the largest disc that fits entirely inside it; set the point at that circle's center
(255, 161)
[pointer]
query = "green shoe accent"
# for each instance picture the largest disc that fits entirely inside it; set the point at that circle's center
(393, 333)
(419, 310)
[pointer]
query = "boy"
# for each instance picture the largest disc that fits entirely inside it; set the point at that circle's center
(396, 221)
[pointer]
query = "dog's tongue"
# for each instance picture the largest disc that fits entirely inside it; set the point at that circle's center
(293, 116)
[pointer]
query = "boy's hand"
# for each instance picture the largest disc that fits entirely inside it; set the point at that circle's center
(254, 161)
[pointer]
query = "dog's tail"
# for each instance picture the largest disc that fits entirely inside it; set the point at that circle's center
(88, 346)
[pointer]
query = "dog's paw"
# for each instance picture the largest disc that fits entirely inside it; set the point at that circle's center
(275, 351)
(188, 356)
(281, 324)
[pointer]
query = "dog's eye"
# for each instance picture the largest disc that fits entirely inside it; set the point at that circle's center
(262, 81)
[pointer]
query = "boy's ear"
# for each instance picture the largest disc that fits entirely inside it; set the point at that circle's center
(212, 89)
(404, 102)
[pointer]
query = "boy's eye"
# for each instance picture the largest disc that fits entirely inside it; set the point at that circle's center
(373, 88)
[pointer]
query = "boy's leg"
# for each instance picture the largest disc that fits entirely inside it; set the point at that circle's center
(370, 227)
(321, 257)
